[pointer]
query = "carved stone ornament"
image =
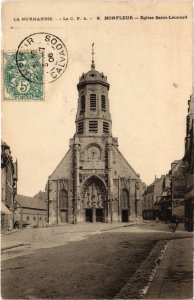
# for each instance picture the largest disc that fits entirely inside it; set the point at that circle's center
(125, 181)
(92, 88)
(77, 147)
(83, 177)
(63, 184)
(103, 176)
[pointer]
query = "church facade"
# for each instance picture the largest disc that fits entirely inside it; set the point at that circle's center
(93, 182)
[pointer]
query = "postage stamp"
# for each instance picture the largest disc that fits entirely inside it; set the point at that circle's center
(18, 87)
(55, 56)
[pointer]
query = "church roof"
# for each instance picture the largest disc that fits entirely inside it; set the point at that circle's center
(93, 76)
(30, 202)
(41, 195)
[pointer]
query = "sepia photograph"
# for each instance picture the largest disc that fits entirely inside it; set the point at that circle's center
(97, 149)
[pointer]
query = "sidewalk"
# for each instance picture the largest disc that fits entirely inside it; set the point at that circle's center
(174, 276)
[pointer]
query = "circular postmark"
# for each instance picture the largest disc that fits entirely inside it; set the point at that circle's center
(41, 57)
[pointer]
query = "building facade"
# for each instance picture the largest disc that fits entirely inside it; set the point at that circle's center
(94, 182)
(151, 198)
(30, 211)
(8, 187)
(177, 176)
(172, 191)
(189, 166)
(165, 200)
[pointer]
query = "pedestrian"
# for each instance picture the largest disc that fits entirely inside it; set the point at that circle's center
(173, 225)
(177, 221)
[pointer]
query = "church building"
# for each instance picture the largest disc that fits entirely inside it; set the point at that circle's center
(94, 182)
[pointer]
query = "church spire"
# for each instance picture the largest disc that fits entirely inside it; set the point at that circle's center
(93, 65)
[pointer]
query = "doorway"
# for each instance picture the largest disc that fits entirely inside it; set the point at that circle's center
(99, 215)
(63, 216)
(125, 215)
(88, 215)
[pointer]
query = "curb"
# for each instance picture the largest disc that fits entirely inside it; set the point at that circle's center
(138, 284)
(14, 246)
(11, 231)
(123, 226)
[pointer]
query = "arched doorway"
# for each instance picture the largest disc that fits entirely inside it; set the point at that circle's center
(94, 196)
(125, 206)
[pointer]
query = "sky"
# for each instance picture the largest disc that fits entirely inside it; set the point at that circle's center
(148, 66)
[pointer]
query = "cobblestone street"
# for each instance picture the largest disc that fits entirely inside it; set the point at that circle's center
(88, 262)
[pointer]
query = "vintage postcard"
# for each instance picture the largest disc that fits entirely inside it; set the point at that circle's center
(97, 150)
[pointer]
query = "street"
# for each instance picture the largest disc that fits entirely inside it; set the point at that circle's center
(69, 262)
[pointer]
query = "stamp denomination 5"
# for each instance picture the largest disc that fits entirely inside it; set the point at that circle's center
(16, 86)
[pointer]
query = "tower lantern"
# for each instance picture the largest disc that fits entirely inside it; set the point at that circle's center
(93, 115)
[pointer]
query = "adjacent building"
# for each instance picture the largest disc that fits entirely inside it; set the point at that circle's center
(151, 197)
(189, 166)
(94, 182)
(177, 177)
(164, 203)
(30, 211)
(165, 196)
(8, 187)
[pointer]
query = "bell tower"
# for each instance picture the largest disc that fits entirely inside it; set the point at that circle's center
(93, 116)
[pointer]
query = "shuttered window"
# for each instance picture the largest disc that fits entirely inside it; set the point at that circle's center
(93, 126)
(93, 101)
(80, 128)
(105, 127)
(82, 103)
(103, 103)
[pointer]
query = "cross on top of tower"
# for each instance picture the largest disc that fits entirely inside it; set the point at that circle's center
(93, 65)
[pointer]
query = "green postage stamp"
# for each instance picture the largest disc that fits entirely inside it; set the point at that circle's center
(23, 76)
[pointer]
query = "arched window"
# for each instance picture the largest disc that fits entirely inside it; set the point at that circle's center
(125, 198)
(63, 199)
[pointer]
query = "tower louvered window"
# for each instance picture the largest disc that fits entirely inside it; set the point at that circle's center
(103, 103)
(80, 128)
(82, 103)
(93, 101)
(93, 126)
(105, 127)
